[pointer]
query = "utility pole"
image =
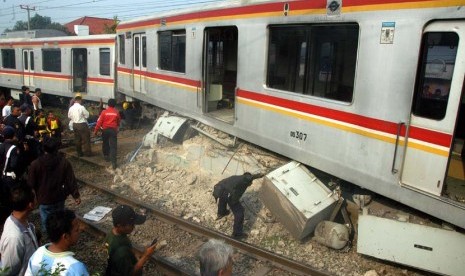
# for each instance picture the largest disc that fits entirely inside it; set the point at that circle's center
(28, 8)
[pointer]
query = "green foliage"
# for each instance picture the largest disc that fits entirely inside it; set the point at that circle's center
(38, 22)
(4, 271)
(111, 29)
(43, 271)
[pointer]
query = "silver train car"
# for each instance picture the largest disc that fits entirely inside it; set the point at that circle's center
(368, 91)
(59, 66)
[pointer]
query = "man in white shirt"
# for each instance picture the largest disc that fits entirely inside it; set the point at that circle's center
(78, 115)
(7, 108)
(19, 240)
(36, 102)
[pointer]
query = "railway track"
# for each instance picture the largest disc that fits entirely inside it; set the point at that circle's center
(268, 263)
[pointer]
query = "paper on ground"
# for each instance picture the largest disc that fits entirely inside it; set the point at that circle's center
(97, 213)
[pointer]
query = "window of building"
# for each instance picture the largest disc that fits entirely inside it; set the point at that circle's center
(122, 49)
(317, 60)
(104, 61)
(436, 67)
(51, 60)
(8, 58)
(172, 50)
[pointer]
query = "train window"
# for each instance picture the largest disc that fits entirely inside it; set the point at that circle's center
(32, 60)
(122, 49)
(316, 60)
(105, 61)
(51, 60)
(144, 51)
(136, 51)
(8, 58)
(25, 60)
(172, 50)
(436, 67)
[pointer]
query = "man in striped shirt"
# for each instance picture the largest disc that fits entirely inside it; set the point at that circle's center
(63, 230)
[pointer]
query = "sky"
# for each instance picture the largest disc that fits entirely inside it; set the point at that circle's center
(64, 11)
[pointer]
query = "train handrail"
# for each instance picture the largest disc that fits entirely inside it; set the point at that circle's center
(399, 129)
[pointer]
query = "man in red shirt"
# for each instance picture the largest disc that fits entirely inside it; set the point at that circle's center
(109, 121)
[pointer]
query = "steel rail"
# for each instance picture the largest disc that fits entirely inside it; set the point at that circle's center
(254, 251)
(163, 265)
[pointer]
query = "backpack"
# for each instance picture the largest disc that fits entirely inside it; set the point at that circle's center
(217, 191)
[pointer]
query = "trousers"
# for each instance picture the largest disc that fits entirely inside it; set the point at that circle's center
(236, 208)
(109, 144)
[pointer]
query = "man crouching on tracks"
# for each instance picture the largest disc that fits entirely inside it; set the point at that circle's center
(229, 191)
(121, 258)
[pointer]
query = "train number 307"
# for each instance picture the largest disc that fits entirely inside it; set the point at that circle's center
(299, 135)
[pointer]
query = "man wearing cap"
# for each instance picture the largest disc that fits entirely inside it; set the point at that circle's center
(52, 178)
(121, 259)
(78, 116)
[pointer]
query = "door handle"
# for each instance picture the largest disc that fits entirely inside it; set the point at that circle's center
(399, 130)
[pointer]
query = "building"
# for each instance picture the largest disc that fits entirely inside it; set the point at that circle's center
(96, 24)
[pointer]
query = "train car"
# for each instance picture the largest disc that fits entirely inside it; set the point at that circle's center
(368, 91)
(60, 66)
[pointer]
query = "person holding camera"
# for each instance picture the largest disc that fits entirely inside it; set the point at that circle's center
(121, 258)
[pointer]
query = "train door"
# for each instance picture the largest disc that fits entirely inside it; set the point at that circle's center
(28, 67)
(220, 72)
(140, 62)
(79, 69)
(435, 109)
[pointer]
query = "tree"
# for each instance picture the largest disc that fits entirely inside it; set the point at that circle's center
(38, 22)
(111, 29)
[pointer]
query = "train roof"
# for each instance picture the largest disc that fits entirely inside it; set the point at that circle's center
(99, 37)
(196, 8)
(237, 9)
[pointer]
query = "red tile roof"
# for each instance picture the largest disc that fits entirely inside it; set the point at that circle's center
(96, 25)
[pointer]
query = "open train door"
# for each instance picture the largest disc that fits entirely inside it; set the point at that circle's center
(79, 69)
(436, 103)
(140, 62)
(220, 72)
(28, 67)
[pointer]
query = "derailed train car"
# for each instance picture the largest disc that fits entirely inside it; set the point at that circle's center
(60, 66)
(368, 91)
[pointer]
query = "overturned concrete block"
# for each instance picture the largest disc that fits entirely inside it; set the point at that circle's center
(297, 198)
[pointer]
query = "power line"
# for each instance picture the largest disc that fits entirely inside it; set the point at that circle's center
(28, 8)
(138, 9)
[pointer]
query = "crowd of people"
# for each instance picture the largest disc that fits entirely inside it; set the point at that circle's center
(36, 175)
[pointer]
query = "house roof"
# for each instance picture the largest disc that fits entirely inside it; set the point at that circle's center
(96, 24)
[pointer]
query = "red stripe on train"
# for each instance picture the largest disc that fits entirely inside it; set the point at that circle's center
(425, 135)
(263, 8)
(184, 81)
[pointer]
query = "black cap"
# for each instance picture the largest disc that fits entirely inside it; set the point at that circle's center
(24, 107)
(8, 132)
(51, 144)
(125, 215)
